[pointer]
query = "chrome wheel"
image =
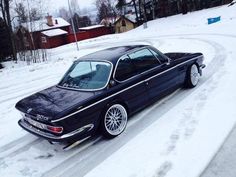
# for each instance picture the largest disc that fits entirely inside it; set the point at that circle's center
(194, 75)
(115, 120)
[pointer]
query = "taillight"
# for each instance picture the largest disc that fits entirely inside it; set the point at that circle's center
(54, 129)
(50, 128)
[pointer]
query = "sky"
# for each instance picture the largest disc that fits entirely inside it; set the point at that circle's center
(64, 3)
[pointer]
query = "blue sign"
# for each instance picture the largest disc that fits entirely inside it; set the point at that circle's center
(213, 20)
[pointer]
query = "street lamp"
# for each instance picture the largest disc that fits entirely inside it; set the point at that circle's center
(73, 26)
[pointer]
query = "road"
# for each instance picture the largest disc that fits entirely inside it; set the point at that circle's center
(223, 164)
(91, 153)
(138, 123)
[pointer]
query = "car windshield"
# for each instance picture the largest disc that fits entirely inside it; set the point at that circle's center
(87, 75)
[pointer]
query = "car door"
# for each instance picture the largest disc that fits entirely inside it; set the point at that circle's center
(157, 71)
(133, 89)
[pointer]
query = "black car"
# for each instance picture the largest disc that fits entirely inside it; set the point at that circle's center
(101, 90)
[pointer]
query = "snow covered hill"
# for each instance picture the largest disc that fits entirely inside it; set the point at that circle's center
(176, 137)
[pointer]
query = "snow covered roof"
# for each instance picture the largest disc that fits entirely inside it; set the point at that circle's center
(109, 20)
(41, 25)
(130, 17)
(91, 27)
(54, 32)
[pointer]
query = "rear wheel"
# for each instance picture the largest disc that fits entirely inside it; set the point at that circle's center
(114, 121)
(193, 76)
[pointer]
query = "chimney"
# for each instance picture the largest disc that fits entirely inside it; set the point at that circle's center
(49, 20)
(56, 22)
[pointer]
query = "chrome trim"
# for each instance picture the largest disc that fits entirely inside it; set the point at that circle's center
(89, 127)
(202, 66)
(26, 125)
(89, 90)
(153, 53)
(143, 81)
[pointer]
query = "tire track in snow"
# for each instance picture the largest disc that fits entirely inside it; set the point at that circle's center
(29, 88)
(18, 146)
(22, 147)
(21, 85)
(86, 166)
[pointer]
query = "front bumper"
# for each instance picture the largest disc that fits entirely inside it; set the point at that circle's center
(55, 138)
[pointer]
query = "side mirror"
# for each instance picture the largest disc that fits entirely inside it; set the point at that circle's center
(167, 63)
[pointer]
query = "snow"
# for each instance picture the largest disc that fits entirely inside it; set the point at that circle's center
(91, 27)
(41, 25)
(176, 137)
(54, 32)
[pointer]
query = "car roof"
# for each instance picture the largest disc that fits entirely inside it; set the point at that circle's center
(111, 54)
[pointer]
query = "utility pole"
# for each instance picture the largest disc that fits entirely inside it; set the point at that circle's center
(144, 14)
(73, 26)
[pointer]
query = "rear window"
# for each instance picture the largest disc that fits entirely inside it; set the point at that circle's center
(87, 75)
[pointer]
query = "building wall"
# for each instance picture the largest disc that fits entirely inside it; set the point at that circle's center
(91, 33)
(55, 41)
(120, 27)
(51, 42)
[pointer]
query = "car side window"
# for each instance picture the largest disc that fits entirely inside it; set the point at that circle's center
(125, 69)
(143, 60)
(158, 56)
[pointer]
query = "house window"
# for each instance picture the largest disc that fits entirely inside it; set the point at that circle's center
(44, 39)
(123, 23)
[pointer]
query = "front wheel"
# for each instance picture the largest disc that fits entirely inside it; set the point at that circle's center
(193, 76)
(114, 121)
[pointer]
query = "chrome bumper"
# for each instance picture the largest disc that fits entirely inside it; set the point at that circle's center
(28, 127)
(201, 67)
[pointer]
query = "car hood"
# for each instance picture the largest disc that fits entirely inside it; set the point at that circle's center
(53, 102)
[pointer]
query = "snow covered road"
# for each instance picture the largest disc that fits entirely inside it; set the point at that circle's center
(163, 140)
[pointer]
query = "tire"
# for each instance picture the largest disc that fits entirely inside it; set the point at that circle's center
(193, 76)
(114, 121)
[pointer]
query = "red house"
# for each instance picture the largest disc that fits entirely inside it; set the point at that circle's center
(47, 33)
(90, 32)
(54, 32)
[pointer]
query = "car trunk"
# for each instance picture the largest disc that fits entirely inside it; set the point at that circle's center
(53, 102)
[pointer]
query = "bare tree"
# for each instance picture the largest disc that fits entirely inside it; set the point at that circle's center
(5, 48)
(154, 2)
(120, 6)
(5, 10)
(143, 11)
(106, 8)
(136, 10)
(33, 11)
(21, 12)
(35, 15)
(64, 13)
(75, 8)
